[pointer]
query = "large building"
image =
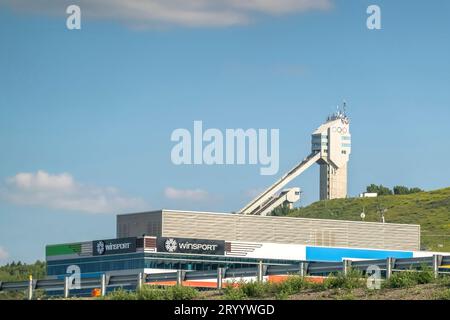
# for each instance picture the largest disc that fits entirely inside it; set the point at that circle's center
(269, 229)
(165, 241)
(149, 255)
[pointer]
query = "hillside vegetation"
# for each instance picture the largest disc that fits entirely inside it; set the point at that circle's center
(431, 210)
(18, 271)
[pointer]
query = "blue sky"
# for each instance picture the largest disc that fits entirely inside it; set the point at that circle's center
(92, 110)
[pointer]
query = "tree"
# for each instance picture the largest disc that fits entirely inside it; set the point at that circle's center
(398, 190)
(415, 190)
(18, 271)
(401, 190)
(381, 190)
(281, 211)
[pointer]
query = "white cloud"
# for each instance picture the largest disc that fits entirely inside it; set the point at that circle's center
(62, 192)
(42, 181)
(4, 255)
(186, 194)
(147, 13)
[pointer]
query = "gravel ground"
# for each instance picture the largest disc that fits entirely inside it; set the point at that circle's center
(419, 292)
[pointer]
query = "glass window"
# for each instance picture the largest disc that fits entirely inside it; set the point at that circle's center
(155, 260)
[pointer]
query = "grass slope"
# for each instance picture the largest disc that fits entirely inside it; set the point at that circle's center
(431, 210)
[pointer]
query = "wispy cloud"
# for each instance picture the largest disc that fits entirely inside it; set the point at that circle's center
(4, 255)
(61, 191)
(195, 13)
(194, 195)
(253, 193)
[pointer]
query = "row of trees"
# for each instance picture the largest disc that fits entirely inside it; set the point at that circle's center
(18, 271)
(397, 190)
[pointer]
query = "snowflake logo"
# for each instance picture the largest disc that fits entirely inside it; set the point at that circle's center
(100, 247)
(171, 245)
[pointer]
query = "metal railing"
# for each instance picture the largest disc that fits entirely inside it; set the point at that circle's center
(305, 268)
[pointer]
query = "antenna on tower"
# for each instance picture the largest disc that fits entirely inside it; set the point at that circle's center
(344, 107)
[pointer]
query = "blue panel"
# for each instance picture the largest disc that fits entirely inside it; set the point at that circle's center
(337, 254)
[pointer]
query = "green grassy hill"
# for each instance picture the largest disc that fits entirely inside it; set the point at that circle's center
(429, 209)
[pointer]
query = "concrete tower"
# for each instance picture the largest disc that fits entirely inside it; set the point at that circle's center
(333, 140)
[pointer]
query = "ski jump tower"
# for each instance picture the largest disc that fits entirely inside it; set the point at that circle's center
(333, 141)
(331, 148)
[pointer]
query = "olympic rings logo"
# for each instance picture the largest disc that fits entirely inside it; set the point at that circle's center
(340, 130)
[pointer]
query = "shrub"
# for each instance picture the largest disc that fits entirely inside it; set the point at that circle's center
(281, 290)
(121, 294)
(168, 293)
(401, 280)
(181, 293)
(233, 293)
(443, 295)
(282, 296)
(152, 293)
(425, 276)
(444, 281)
(292, 285)
(406, 279)
(12, 295)
(352, 280)
(255, 289)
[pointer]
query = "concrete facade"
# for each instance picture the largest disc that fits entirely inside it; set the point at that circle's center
(333, 141)
(333, 182)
